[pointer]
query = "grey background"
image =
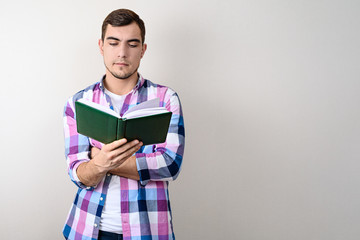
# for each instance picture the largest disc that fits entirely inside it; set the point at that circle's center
(270, 92)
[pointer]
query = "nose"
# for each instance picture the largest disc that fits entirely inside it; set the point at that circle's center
(123, 50)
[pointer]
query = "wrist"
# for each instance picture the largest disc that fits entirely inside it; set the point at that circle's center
(97, 169)
(89, 174)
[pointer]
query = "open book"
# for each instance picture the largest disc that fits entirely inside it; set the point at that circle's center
(146, 122)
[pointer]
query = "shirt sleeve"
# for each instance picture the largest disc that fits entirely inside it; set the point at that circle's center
(77, 146)
(165, 162)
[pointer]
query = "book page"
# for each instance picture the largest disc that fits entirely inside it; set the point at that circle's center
(145, 112)
(153, 103)
(98, 107)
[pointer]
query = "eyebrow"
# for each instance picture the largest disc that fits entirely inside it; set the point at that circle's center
(130, 40)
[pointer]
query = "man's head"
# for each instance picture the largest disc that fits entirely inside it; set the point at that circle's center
(123, 17)
(122, 44)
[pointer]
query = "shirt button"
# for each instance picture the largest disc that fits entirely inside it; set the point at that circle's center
(95, 225)
(108, 174)
(101, 198)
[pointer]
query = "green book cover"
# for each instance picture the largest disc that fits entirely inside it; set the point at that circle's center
(146, 122)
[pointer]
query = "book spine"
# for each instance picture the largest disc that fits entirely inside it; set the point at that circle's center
(120, 129)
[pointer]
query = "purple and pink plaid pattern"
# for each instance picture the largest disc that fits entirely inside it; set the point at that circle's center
(145, 205)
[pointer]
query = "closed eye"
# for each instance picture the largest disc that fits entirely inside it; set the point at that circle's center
(133, 43)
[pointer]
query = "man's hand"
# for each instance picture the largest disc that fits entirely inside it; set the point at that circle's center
(94, 152)
(114, 154)
(111, 156)
(127, 169)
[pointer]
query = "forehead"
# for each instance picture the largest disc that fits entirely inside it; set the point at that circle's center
(130, 31)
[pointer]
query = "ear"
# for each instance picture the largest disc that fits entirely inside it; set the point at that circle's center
(101, 47)
(144, 47)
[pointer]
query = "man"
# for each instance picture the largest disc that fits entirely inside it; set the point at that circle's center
(123, 186)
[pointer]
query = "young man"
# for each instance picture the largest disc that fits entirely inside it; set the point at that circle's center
(123, 186)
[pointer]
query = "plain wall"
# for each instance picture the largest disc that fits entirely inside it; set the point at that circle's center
(270, 93)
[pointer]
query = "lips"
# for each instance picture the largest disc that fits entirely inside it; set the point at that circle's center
(121, 64)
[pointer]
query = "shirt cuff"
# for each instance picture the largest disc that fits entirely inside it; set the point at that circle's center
(142, 168)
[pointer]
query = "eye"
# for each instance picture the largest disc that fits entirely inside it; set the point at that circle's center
(113, 43)
(133, 45)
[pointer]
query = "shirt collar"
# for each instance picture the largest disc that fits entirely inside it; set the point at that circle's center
(139, 83)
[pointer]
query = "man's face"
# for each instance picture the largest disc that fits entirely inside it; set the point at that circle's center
(122, 50)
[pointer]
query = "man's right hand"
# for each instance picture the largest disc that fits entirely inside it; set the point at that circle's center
(114, 154)
(109, 157)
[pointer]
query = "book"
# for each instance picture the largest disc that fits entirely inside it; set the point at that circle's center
(146, 122)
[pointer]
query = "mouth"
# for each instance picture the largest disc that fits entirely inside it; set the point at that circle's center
(121, 64)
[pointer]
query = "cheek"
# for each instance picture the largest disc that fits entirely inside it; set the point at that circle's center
(139, 55)
(108, 56)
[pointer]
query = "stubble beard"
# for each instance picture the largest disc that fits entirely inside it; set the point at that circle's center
(121, 76)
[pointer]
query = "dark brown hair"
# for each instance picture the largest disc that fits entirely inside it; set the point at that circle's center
(123, 17)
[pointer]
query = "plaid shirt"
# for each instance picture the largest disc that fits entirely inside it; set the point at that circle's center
(145, 205)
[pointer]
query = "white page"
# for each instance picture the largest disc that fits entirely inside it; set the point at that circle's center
(145, 112)
(99, 107)
(153, 103)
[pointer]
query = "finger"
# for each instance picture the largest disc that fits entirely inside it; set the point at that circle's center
(94, 151)
(116, 144)
(125, 147)
(114, 154)
(128, 153)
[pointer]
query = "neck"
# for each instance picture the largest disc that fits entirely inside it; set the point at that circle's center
(120, 86)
